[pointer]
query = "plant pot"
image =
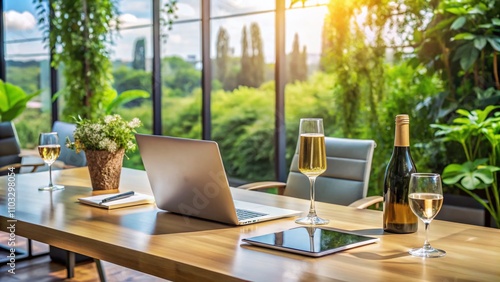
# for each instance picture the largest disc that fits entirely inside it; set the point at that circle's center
(464, 209)
(105, 168)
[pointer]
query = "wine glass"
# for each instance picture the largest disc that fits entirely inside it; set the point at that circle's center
(426, 199)
(312, 161)
(49, 149)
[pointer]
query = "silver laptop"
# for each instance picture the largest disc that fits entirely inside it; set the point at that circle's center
(187, 177)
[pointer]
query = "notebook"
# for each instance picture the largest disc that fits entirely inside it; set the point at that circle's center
(136, 199)
(187, 177)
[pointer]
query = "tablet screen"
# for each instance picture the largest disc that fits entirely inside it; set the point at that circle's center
(311, 241)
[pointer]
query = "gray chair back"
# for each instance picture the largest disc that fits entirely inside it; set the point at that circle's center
(346, 177)
(68, 156)
(9, 145)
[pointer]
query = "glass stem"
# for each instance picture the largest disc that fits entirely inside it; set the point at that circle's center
(427, 246)
(50, 176)
(312, 208)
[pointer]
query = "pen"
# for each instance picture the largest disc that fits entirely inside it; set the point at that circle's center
(117, 197)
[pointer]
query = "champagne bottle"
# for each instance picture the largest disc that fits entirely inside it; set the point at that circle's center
(398, 217)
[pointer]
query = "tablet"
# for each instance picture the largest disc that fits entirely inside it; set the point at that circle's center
(311, 241)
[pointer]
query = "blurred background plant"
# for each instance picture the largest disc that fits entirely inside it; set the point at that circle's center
(478, 133)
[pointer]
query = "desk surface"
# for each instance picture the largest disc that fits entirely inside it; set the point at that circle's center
(180, 248)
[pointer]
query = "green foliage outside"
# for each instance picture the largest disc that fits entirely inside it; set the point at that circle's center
(453, 65)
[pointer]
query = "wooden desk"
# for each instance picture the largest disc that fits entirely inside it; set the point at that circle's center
(180, 248)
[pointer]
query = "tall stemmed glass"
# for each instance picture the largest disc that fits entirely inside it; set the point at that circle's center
(49, 149)
(426, 199)
(312, 161)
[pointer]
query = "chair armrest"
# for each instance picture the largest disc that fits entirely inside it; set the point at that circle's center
(366, 202)
(264, 185)
(6, 167)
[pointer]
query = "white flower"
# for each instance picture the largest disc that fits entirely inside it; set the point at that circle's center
(135, 122)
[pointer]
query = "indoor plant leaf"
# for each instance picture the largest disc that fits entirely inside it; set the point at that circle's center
(471, 175)
(125, 97)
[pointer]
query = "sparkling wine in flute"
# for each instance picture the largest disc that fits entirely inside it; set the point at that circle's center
(426, 205)
(312, 162)
(49, 153)
(312, 158)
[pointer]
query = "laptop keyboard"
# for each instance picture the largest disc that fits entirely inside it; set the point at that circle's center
(244, 214)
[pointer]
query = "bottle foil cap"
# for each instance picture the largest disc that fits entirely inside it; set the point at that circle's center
(402, 135)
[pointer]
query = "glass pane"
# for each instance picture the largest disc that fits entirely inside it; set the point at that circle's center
(243, 94)
(132, 54)
(27, 66)
(234, 7)
(181, 81)
(186, 10)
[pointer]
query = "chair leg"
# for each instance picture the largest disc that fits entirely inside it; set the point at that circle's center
(100, 270)
(70, 265)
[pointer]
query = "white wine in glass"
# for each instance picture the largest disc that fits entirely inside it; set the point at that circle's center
(312, 162)
(426, 199)
(49, 149)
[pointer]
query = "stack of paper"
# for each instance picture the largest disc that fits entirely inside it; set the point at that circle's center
(136, 199)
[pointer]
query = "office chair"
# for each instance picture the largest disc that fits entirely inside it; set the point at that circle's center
(10, 151)
(345, 181)
(68, 158)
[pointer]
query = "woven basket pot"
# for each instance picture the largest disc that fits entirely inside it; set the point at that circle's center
(105, 168)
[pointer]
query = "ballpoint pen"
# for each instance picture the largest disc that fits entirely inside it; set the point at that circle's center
(117, 197)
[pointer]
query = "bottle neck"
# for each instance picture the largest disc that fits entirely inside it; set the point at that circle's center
(402, 135)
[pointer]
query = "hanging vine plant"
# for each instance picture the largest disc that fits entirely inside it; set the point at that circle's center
(79, 33)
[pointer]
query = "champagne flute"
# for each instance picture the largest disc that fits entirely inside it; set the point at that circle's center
(49, 149)
(426, 199)
(312, 162)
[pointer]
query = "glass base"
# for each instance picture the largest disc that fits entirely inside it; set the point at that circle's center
(312, 220)
(427, 252)
(51, 188)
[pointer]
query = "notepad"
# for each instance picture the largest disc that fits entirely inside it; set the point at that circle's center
(136, 199)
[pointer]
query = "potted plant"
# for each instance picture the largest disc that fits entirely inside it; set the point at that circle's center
(105, 142)
(478, 132)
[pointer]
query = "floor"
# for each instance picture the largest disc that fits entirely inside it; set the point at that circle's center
(44, 270)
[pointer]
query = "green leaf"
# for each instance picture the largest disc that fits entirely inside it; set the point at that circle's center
(476, 11)
(13, 100)
(464, 36)
(496, 21)
(479, 42)
(457, 10)
(4, 101)
(126, 97)
(458, 23)
(452, 174)
(471, 175)
(495, 43)
(486, 26)
(469, 59)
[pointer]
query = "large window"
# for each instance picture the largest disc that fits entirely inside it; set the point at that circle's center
(242, 73)
(27, 66)
(131, 55)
